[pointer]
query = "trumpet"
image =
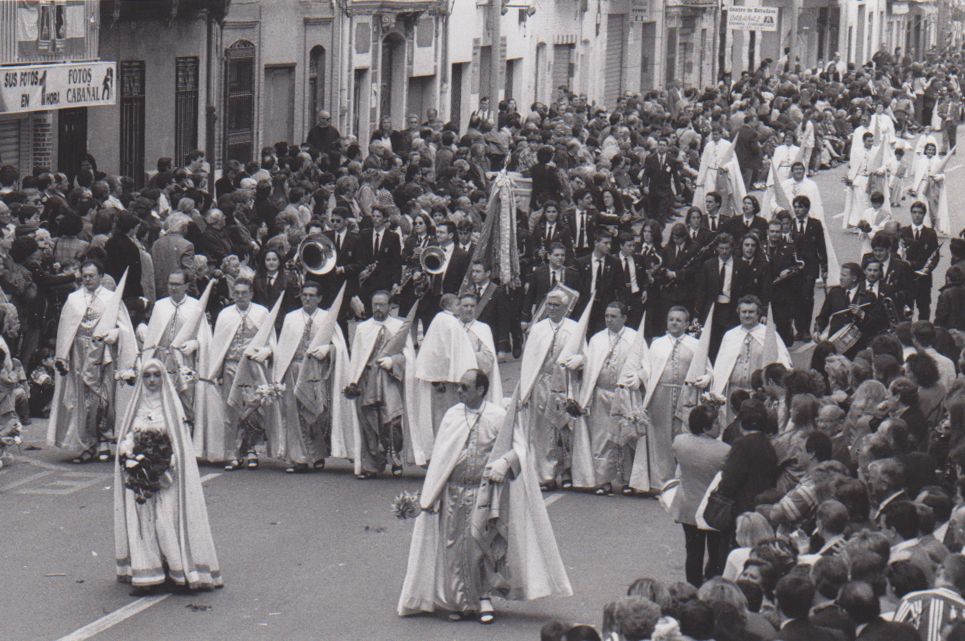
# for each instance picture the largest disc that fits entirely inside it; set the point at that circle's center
(433, 260)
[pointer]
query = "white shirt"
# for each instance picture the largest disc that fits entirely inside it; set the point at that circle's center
(871, 287)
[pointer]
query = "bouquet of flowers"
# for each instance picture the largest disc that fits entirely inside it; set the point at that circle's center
(352, 391)
(267, 394)
(127, 375)
(572, 407)
(187, 375)
(407, 505)
(146, 463)
(711, 398)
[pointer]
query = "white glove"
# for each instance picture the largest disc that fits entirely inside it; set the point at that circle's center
(702, 381)
(259, 355)
(573, 362)
(110, 338)
(189, 347)
(321, 352)
(385, 362)
(496, 471)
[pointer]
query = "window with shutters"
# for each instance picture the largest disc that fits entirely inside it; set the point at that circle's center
(239, 101)
(185, 107)
(132, 120)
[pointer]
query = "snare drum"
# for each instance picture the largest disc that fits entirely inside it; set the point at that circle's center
(846, 338)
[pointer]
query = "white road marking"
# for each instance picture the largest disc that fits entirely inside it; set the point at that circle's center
(68, 483)
(49, 466)
(24, 481)
(123, 613)
(117, 616)
(552, 498)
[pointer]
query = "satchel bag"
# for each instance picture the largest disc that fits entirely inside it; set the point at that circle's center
(719, 511)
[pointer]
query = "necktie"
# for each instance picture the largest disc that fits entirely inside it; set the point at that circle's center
(599, 271)
(552, 278)
(723, 275)
(173, 327)
(626, 269)
(338, 242)
(851, 297)
(549, 232)
(271, 282)
(713, 223)
(375, 245)
(582, 239)
(800, 226)
(917, 235)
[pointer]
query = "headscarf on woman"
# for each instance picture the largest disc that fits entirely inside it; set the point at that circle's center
(167, 537)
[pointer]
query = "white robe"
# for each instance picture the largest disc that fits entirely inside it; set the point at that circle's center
(809, 188)
(417, 436)
(63, 426)
(730, 348)
(857, 198)
(345, 429)
(483, 332)
(924, 168)
(711, 160)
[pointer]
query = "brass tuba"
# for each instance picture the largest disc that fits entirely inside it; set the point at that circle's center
(317, 254)
(433, 260)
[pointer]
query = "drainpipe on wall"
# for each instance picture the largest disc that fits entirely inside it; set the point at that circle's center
(210, 111)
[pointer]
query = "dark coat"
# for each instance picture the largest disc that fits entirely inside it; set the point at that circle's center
(750, 468)
(837, 300)
(389, 260)
(804, 630)
(881, 630)
(736, 227)
(538, 287)
(122, 253)
(950, 311)
(810, 247)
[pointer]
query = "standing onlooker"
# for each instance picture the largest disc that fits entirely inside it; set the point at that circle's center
(699, 456)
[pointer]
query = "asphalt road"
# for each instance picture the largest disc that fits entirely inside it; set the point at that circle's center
(310, 557)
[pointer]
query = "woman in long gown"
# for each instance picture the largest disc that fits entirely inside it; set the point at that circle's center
(164, 537)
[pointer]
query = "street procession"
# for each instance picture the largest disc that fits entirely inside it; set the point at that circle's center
(638, 365)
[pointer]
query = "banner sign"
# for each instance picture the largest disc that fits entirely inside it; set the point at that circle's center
(58, 86)
(752, 18)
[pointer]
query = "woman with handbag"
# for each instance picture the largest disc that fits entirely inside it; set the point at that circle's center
(750, 468)
(699, 457)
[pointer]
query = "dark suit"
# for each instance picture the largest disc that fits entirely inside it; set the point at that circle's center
(702, 237)
(634, 301)
(332, 282)
(781, 256)
(836, 301)
(680, 290)
(709, 287)
(950, 311)
(810, 248)
(751, 278)
(587, 236)
(267, 295)
(660, 174)
(547, 184)
(539, 285)
(388, 262)
(897, 274)
(737, 227)
(609, 288)
(832, 617)
(879, 321)
(750, 468)
(917, 253)
(495, 310)
(881, 630)
(448, 282)
(540, 239)
(123, 254)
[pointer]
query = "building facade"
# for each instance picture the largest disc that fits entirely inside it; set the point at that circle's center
(49, 80)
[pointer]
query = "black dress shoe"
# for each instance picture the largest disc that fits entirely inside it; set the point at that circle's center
(517, 351)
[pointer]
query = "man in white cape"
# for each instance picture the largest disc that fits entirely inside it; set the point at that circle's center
(224, 433)
(483, 345)
(748, 347)
(864, 166)
(542, 392)
(483, 530)
(721, 172)
(661, 376)
(95, 341)
(785, 154)
(311, 361)
(382, 379)
(179, 336)
(602, 363)
(800, 185)
(444, 356)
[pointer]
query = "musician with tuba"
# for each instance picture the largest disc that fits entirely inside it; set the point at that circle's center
(846, 313)
(346, 244)
(923, 252)
(446, 266)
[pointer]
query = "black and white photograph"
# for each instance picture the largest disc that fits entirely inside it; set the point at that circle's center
(482, 320)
